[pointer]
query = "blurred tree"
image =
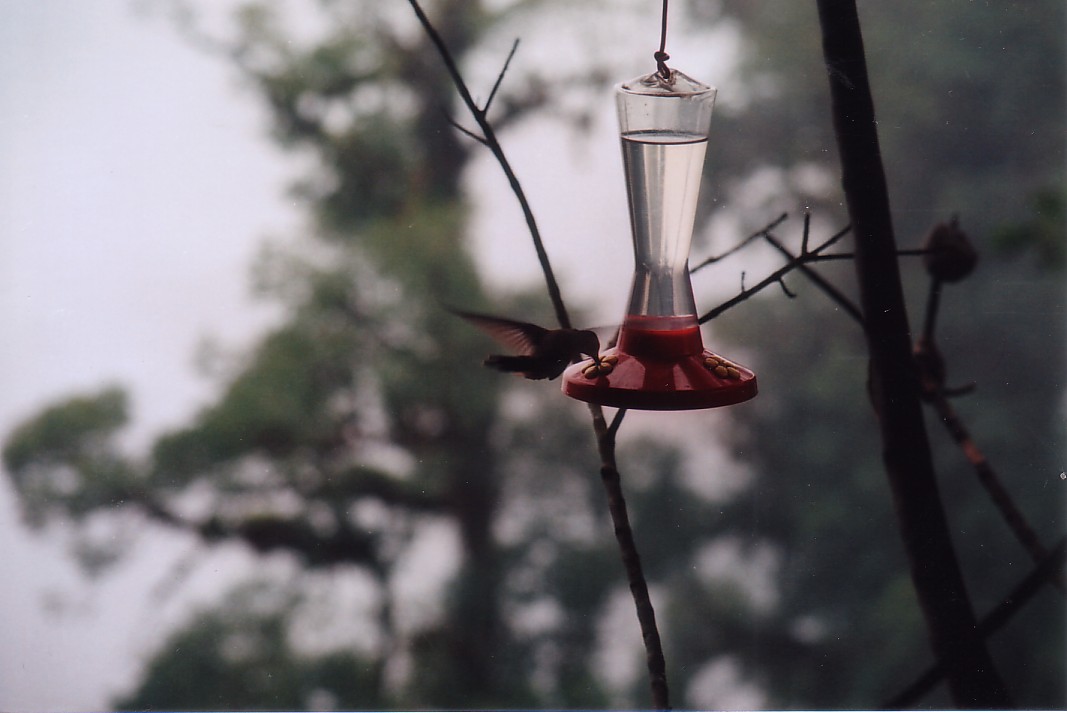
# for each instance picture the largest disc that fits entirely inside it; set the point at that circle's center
(367, 395)
(240, 656)
(364, 416)
(361, 424)
(969, 95)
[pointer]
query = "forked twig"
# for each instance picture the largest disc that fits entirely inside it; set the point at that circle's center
(489, 139)
(932, 374)
(987, 476)
(500, 77)
(465, 131)
(759, 233)
(821, 282)
(646, 615)
(775, 277)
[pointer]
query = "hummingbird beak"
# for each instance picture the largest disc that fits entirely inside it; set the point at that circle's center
(589, 345)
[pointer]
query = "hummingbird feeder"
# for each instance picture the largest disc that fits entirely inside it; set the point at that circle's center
(659, 361)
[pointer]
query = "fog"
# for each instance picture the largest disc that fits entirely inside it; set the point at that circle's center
(135, 188)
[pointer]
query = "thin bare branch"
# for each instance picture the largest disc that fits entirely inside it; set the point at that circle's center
(774, 277)
(616, 422)
(759, 233)
(910, 252)
(932, 375)
(494, 146)
(465, 131)
(933, 306)
(646, 615)
(987, 476)
(500, 77)
(1050, 568)
(822, 283)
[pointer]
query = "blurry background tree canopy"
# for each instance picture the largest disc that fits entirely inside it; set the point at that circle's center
(359, 438)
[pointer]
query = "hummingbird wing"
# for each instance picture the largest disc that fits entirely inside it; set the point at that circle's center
(522, 338)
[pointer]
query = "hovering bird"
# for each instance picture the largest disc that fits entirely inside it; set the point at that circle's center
(539, 353)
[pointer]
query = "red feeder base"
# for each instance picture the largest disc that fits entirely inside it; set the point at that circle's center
(660, 370)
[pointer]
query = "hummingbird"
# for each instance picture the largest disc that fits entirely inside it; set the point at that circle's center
(540, 353)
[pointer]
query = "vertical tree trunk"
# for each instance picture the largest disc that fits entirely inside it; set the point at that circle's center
(894, 383)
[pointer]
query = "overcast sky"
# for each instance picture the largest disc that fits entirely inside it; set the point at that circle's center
(135, 187)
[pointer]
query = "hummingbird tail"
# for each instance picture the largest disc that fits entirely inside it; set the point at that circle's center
(529, 366)
(501, 362)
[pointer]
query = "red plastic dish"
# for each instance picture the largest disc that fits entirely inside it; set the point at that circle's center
(661, 370)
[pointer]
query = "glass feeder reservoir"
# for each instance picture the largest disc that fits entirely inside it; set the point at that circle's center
(659, 361)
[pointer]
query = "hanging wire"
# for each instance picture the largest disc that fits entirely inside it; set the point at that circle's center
(662, 56)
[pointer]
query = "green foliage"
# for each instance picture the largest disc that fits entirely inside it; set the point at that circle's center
(969, 96)
(69, 431)
(364, 413)
(240, 657)
(277, 406)
(1042, 234)
(62, 461)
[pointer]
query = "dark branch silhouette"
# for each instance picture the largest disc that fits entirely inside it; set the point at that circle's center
(952, 258)
(500, 77)
(1049, 569)
(775, 277)
(609, 475)
(894, 384)
(821, 282)
(489, 139)
(758, 234)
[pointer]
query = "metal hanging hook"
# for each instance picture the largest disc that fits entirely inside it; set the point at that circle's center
(661, 56)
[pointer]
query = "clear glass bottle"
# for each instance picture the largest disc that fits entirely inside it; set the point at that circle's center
(663, 125)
